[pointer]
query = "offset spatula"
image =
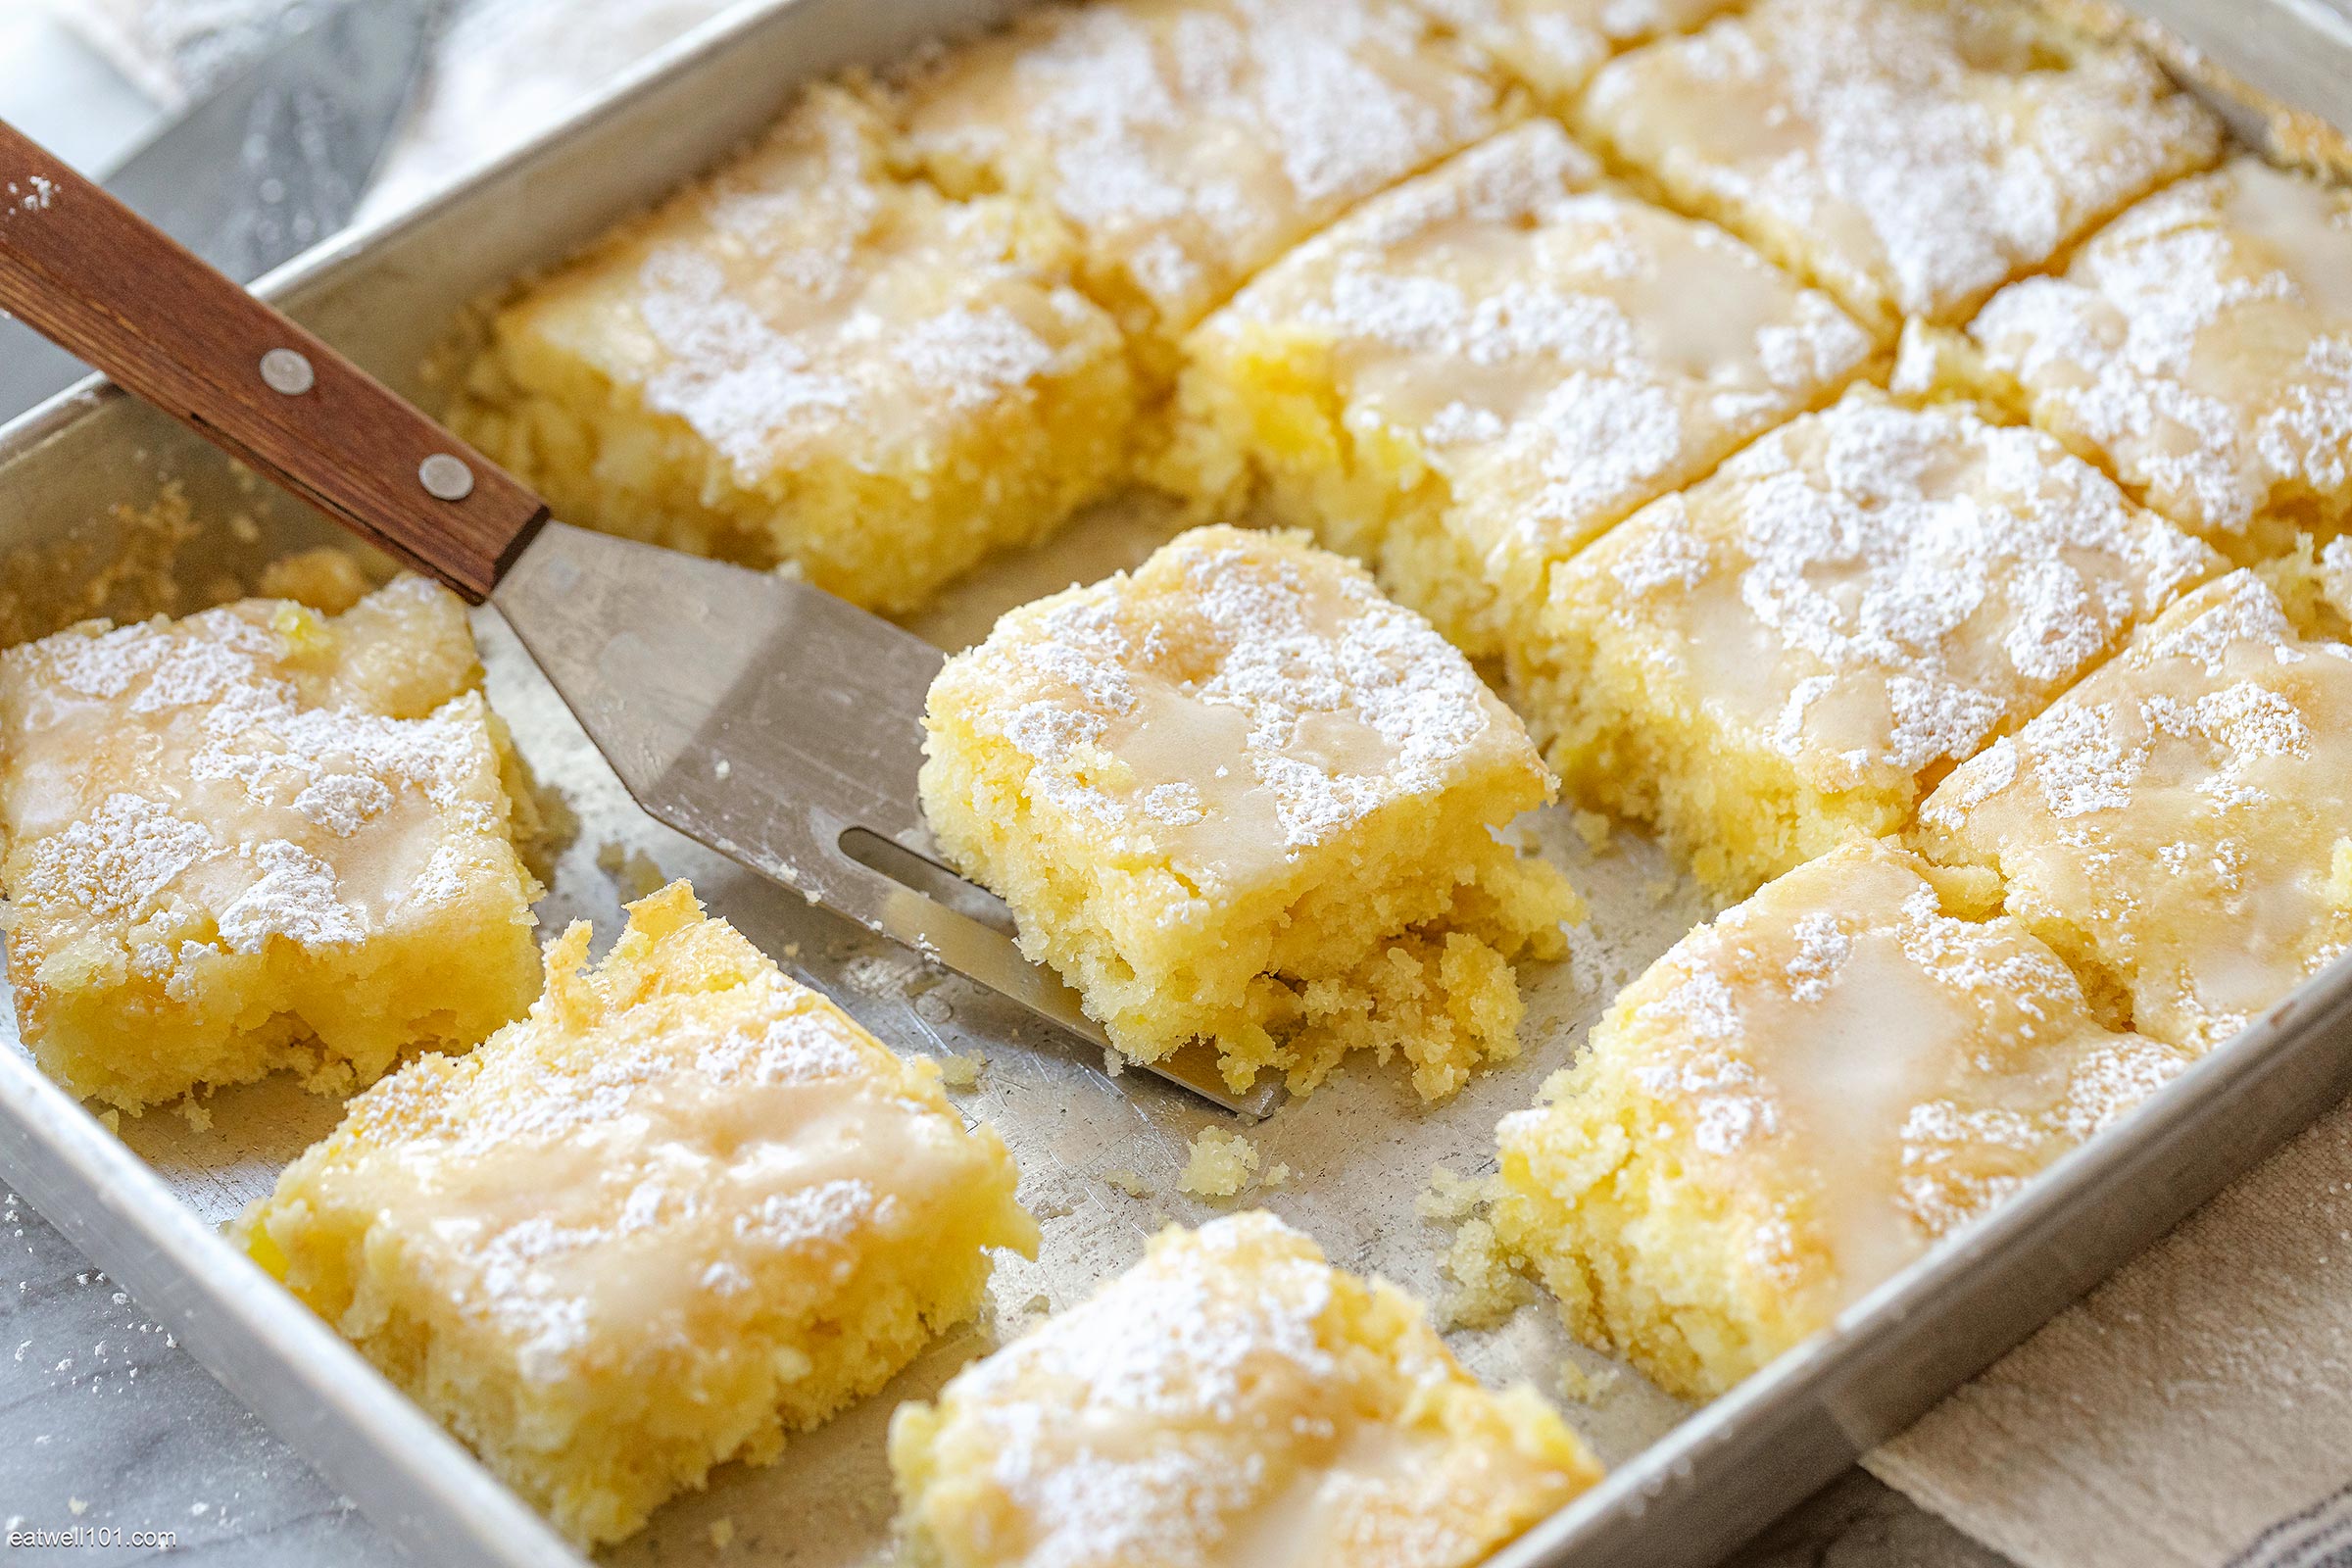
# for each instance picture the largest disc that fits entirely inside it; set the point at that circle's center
(769, 719)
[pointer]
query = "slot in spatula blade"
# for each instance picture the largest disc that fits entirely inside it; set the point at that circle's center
(781, 726)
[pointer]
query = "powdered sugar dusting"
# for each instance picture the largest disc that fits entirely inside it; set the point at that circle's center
(1241, 698)
(1878, 589)
(1544, 345)
(1191, 144)
(2203, 344)
(1555, 45)
(174, 790)
(682, 1155)
(1211, 1401)
(1862, 1071)
(2183, 808)
(803, 298)
(1920, 154)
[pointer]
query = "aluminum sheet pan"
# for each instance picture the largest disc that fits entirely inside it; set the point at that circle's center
(81, 533)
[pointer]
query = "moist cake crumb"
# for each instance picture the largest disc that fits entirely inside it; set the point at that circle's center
(686, 1206)
(1237, 795)
(1231, 1398)
(1221, 1164)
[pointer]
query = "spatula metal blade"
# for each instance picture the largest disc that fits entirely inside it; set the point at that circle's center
(783, 728)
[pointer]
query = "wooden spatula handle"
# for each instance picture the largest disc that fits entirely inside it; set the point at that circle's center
(86, 272)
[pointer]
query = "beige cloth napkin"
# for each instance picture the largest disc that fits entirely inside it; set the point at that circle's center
(2195, 1411)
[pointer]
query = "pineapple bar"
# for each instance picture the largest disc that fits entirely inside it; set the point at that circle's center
(1470, 377)
(1554, 46)
(1794, 1103)
(1798, 649)
(1231, 1398)
(2179, 825)
(1239, 797)
(2200, 348)
(255, 838)
(1909, 156)
(685, 1207)
(1191, 142)
(801, 361)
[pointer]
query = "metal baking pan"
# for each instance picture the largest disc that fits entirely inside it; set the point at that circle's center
(81, 533)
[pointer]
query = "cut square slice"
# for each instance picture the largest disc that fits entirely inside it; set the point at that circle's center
(1909, 156)
(800, 360)
(1231, 1398)
(1799, 648)
(1191, 142)
(2179, 825)
(685, 1207)
(1237, 795)
(255, 838)
(1470, 377)
(1554, 46)
(1797, 1100)
(2200, 348)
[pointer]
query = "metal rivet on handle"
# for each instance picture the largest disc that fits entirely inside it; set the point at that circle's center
(288, 372)
(445, 478)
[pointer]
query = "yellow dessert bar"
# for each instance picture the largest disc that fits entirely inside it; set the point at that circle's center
(804, 361)
(686, 1206)
(1909, 156)
(259, 836)
(1795, 1101)
(1470, 377)
(1190, 142)
(2201, 347)
(2179, 825)
(1554, 46)
(1237, 795)
(1799, 648)
(1232, 1398)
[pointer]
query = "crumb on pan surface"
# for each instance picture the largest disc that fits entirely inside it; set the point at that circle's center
(686, 1206)
(1238, 795)
(1472, 376)
(1220, 1164)
(1796, 650)
(1794, 1103)
(260, 837)
(804, 360)
(1909, 156)
(2200, 348)
(1230, 1398)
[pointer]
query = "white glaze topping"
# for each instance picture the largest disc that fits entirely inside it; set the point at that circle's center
(1877, 590)
(1920, 152)
(2203, 344)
